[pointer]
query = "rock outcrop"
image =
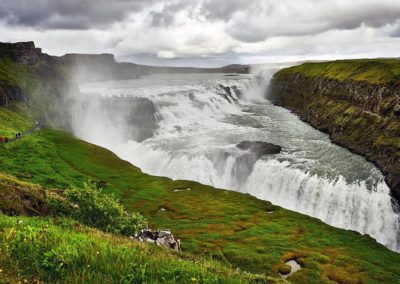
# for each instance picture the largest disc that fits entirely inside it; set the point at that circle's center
(9, 94)
(254, 151)
(24, 53)
(139, 114)
(358, 113)
(160, 237)
(259, 148)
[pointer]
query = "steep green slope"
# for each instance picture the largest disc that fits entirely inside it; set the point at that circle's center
(356, 101)
(63, 251)
(236, 229)
(231, 227)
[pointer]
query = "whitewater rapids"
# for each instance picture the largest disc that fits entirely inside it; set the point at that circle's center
(199, 123)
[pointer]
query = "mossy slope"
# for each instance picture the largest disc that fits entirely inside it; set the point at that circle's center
(62, 251)
(231, 227)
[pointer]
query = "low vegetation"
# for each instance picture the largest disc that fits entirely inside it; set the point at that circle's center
(231, 228)
(376, 71)
(37, 250)
(13, 119)
(223, 233)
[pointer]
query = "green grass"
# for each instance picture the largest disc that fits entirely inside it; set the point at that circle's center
(231, 227)
(54, 251)
(376, 71)
(14, 119)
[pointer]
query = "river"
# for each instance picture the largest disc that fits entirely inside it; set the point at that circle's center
(199, 123)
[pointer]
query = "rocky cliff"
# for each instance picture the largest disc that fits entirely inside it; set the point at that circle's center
(24, 52)
(356, 101)
(8, 94)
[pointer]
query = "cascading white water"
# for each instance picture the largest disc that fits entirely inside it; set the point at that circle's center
(200, 122)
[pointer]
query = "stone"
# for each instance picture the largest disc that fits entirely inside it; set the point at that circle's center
(182, 189)
(255, 150)
(74, 206)
(260, 148)
(162, 238)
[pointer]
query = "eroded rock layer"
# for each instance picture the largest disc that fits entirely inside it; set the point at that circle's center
(356, 102)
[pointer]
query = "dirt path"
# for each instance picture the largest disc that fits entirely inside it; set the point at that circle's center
(36, 129)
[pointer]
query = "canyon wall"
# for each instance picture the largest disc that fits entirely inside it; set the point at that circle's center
(356, 101)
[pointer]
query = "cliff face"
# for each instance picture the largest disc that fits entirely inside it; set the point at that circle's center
(98, 67)
(360, 114)
(9, 94)
(24, 52)
(25, 70)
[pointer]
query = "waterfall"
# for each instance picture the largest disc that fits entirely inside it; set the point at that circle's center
(200, 120)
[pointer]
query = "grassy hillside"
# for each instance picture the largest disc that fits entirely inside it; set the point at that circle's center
(375, 71)
(15, 119)
(233, 228)
(44, 249)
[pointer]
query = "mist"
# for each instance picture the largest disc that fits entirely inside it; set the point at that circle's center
(188, 126)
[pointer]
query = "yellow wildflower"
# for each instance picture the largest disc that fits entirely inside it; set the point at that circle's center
(97, 253)
(1, 270)
(193, 279)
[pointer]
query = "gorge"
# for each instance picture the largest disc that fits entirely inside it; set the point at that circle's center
(201, 119)
(233, 174)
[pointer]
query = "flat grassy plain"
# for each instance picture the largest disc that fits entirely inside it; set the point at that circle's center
(233, 228)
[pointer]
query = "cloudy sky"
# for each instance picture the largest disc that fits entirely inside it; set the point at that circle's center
(207, 32)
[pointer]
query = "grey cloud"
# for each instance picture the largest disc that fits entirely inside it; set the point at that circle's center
(160, 19)
(67, 14)
(253, 21)
(223, 10)
(166, 16)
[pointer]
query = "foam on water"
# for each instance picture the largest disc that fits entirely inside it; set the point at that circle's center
(199, 127)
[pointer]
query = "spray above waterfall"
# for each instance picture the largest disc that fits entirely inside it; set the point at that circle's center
(198, 120)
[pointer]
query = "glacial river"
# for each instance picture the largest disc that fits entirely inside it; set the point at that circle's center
(199, 126)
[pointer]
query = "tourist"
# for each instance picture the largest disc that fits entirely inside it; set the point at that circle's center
(6, 139)
(1, 140)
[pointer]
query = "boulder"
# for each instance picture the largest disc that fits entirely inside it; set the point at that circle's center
(160, 237)
(255, 150)
(260, 148)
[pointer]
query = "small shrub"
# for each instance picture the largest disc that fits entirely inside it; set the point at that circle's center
(59, 207)
(103, 211)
